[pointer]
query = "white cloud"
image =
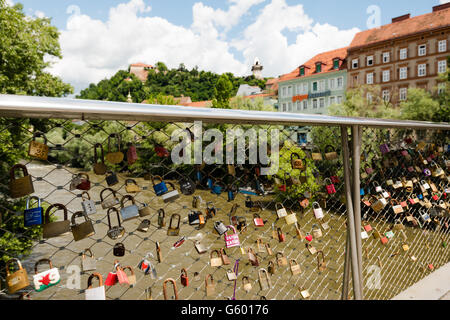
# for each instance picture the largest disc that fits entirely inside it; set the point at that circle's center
(443, 1)
(39, 14)
(9, 2)
(93, 50)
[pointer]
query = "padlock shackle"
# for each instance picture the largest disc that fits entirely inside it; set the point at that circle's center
(39, 134)
(59, 206)
(211, 254)
(102, 153)
(31, 198)
(117, 137)
(107, 189)
(85, 251)
(174, 288)
(171, 219)
(233, 228)
(78, 214)
(129, 268)
(109, 219)
(156, 177)
(184, 272)
(88, 195)
(42, 261)
(92, 276)
(209, 276)
(320, 252)
(131, 181)
(17, 261)
(126, 197)
(17, 166)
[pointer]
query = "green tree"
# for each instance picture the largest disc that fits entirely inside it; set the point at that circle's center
(419, 106)
(223, 93)
(26, 44)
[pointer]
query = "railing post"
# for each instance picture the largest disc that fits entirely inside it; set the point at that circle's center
(356, 153)
(350, 223)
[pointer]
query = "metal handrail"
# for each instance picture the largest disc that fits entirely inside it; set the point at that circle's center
(65, 108)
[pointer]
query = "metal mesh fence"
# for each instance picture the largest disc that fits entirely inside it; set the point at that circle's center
(320, 184)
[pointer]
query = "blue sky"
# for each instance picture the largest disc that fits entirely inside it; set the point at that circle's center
(102, 36)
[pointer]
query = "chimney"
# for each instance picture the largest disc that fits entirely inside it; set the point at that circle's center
(401, 18)
(441, 7)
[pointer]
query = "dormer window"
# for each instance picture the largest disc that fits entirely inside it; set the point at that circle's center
(318, 67)
(336, 64)
(302, 71)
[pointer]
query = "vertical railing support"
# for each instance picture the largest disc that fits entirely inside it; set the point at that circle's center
(350, 222)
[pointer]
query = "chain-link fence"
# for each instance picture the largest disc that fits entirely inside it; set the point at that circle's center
(303, 254)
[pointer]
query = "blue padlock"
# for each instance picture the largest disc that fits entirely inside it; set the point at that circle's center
(420, 196)
(210, 183)
(33, 216)
(198, 175)
(159, 188)
(361, 191)
(216, 187)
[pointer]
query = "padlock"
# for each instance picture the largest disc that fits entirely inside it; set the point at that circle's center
(424, 216)
(316, 231)
(304, 203)
(158, 252)
(367, 226)
(161, 151)
(161, 218)
(83, 230)
(224, 257)
(330, 186)
(271, 268)
(145, 210)
(241, 224)
(57, 228)
(405, 247)
(264, 281)
(20, 187)
(396, 207)
(187, 186)
(115, 232)
(298, 162)
(364, 235)
(114, 157)
(119, 249)
(233, 239)
(85, 183)
(97, 293)
(252, 257)
(379, 205)
(321, 263)
(268, 249)
(87, 204)
(305, 293)
(33, 216)
(159, 188)
(281, 259)
(111, 178)
(248, 202)
(18, 279)
(260, 245)
(291, 218)
(311, 248)
(111, 202)
(200, 247)
(231, 275)
(131, 277)
(88, 263)
(121, 275)
(195, 202)
(281, 210)
(174, 230)
(318, 212)
(131, 154)
(211, 210)
(398, 225)
(99, 167)
(216, 187)
(330, 153)
(257, 220)
(384, 148)
(129, 212)
(384, 240)
(209, 286)
(281, 235)
(111, 278)
(184, 278)
(170, 196)
(385, 194)
(247, 286)
(45, 279)
(316, 156)
(295, 267)
(37, 149)
(220, 227)
(131, 186)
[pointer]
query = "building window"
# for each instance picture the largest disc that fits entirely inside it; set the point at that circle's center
(403, 73)
(322, 102)
(332, 100)
(386, 57)
(422, 70)
(370, 61)
(422, 50)
(442, 66)
(386, 95)
(369, 78)
(332, 84)
(318, 67)
(336, 64)
(302, 71)
(314, 86)
(403, 54)
(442, 46)
(289, 91)
(403, 94)
(290, 107)
(441, 88)
(299, 106)
(355, 63)
(369, 97)
(305, 104)
(340, 82)
(339, 99)
(314, 103)
(386, 76)
(284, 93)
(284, 107)
(322, 85)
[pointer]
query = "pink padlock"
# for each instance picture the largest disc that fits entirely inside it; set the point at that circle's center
(233, 239)
(330, 186)
(131, 154)
(384, 148)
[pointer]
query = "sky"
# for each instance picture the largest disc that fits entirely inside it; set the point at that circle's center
(100, 37)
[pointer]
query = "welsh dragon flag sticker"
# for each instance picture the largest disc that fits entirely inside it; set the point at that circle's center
(46, 279)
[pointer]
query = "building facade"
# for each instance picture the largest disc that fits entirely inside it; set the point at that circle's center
(408, 53)
(314, 86)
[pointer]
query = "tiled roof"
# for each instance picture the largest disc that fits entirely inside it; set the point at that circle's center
(426, 22)
(262, 95)
(140, 64)
(200, 104)
(310, 67)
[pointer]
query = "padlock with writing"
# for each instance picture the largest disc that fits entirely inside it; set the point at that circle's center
(115, 232)
(18, 279)
(114, 157)
(45, 279)
(281, 210)
(174, 230)
(233, 239)
(281, 259)
(128, 212)
(220, 227)
(83, 230)
(109, 202)
(87, 204)
(33, 216)
(20, 187)
(316, 231)
(37, 149)
(159, 188)
(295, 267)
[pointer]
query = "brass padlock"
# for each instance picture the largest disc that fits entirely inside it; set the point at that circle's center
(57, 228)
(158, 252)
(17, 280)
(144, 210)
(20, 187)
(215, 261)
(37, 149)
(246, 284)
(131, 186)
(84, 229)
(161, 218)
(209, 286)
(281, 259)
(321, 263)
(295, 267)
(114, 157)
(99, 167)
(271, 268)
(268, 249)
(174, 231)
(264, 281)
(174, 288)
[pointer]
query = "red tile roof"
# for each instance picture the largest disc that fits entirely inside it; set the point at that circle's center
(310, 67)
(422, 23)
(140, 64)
(260, 95)
(200, 104)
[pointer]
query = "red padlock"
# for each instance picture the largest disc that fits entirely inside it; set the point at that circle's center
(335, 179)
(367, 227)
(85, 184)
(309, 237)
(258, 220)
(282, 188)
(330, 187)
(184, 277)
(111, 279)
(384, 240)
(161, 152)
(435, 197)
(131, 154)
(281, 236)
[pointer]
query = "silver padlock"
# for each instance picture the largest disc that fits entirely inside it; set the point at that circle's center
(88, 205)
(88, 263)
(130, 212)
(220, 227)
(171, 195)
